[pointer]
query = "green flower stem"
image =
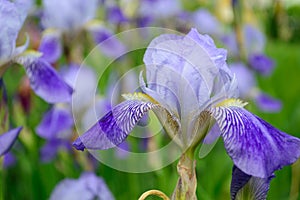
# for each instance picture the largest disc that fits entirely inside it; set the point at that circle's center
(187, 182)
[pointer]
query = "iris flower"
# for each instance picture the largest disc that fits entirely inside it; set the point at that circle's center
(190, 88)
(43, 78)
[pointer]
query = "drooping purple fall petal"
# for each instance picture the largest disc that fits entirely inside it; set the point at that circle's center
(56, 123)
(7, 140)
(45, 81)
(114, 127)
(256, 147)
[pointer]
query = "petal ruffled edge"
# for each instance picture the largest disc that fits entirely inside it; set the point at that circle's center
(44, 80)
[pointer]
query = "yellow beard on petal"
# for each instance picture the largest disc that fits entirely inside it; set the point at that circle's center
(232, 102)
(139, 96)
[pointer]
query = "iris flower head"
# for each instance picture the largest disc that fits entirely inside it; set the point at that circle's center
(190, 89)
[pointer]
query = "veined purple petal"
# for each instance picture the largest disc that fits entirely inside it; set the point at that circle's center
(7, 140)
(56, 123)
(114, 127)
(267, 103)
(87, 187)
(261, 63)
(45, 81)
(255, 188)
(256, 147)
(51, 46)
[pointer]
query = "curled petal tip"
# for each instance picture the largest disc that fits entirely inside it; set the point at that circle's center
(78, 145)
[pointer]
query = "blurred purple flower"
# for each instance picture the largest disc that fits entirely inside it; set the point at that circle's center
(261, 63)
(87, 187)
(51, 148)
(115, 15)
(229, 41)
(157, 8)
(51, 46)
(56, 123)
(267, 103)
(7, 140)
(9, 160)
(254, 39)
(206, 22)
(188, 84)
(107, 42)
(68, 15)
(245, 77)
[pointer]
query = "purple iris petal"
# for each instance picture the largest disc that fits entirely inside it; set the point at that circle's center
(245, 77)
(182, 70)
(67, 14)
(51, 47)
(109, 44)
(45, 81)
(267, 103)
(7, 140)
(256, 147)
(56, 123)
(261, 63)
(257, 188)
(88, 186)
(114, 127)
